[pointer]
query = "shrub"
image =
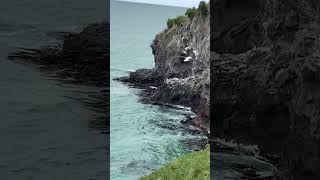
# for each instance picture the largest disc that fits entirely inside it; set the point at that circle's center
(177, 21)
(170, 23)
(191, 12)
(203, 8)
(180, 20)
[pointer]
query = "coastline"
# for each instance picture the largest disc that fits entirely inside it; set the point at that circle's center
(181, 77)
(174, 81)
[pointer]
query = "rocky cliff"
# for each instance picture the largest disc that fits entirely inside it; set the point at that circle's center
(181, 72)
(265, 79)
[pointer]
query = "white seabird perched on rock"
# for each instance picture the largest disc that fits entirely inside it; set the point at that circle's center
(187, 59)
(153, 87)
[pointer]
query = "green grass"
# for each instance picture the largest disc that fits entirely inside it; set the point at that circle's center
(193, 166)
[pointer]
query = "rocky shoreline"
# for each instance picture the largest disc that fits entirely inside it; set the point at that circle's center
(264, 78)
(81, 58)
(181, 72)
(264, 61)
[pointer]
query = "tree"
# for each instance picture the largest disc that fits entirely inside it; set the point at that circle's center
(180, 20)
(191, 12)
(170, 23)
(203, 8)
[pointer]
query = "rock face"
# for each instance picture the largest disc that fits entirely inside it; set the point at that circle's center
(265, 79)
(181, 72)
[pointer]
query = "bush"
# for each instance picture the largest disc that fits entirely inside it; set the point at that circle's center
(191, 12)
(180, 20)
(203, 8)
(170, 23)
(177, 21)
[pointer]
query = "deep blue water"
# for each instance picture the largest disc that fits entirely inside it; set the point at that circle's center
(140, 141)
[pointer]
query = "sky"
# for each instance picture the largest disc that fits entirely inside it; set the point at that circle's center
(182, 3)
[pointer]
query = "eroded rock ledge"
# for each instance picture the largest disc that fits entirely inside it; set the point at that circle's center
(265, 79)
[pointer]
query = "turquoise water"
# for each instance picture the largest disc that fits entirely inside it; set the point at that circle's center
(143, 137)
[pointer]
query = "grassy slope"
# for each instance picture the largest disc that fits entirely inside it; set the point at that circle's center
(193, 166)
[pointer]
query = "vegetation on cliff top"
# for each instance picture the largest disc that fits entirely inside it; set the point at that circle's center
(191, 12)
(193, 166)
(202, 10)
(177, 21)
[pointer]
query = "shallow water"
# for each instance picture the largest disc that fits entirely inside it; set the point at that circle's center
(143, 137)
(44, 134)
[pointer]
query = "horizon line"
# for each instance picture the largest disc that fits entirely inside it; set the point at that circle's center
(146, 3)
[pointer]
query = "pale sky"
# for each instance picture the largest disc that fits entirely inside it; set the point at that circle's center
(183, 3)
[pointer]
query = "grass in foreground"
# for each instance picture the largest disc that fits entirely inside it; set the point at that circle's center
(193, 166)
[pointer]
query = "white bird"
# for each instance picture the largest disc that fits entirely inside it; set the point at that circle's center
(187, 59)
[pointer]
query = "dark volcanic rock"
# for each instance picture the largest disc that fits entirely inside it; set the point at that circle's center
(265, 74)
(141, 78)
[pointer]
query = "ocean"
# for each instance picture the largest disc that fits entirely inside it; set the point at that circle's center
(143, 137)
(44, 134)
